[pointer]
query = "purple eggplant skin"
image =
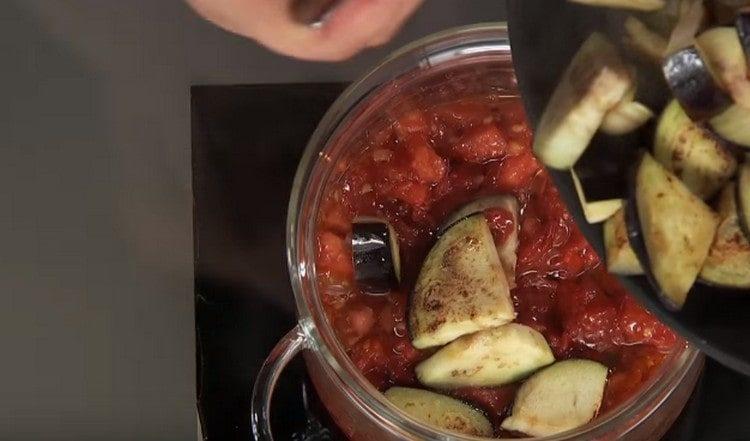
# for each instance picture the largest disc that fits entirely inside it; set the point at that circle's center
(375, 267)
(742, 23)
(693, 85)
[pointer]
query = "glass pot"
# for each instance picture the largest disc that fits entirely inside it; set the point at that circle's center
(453, 63)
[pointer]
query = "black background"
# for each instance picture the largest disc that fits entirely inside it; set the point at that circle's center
(246, 144)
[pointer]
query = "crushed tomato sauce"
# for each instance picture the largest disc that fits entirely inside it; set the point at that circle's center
(427, 164)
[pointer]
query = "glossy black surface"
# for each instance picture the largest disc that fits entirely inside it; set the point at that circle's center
(713, 319)
(246, 143)
(374, 267)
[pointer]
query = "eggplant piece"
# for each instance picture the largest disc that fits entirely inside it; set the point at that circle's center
(621, 258)
(375, 252)
(595, 81)
(492, 357)
(625, 117)
(677, 227)
(461, 287)
(691, 16)
(640, 5)
(558, 398)
(598, 210)
(693, 85)
(692, 153)
(733, 125)
(440, 411)
(743, 197)
(728, 261)
(742, 23)
(508, 250)
(643, 40)
(721, 49)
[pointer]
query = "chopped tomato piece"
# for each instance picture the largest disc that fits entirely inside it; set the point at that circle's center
(427, 165)
(638, 326)
(334, 256)
(370, 357)
(413, 193)
(463, 113)
(413, 121)
(501, 223)
(355, 323)
(514, 172)
(479, 144)
(337, 219)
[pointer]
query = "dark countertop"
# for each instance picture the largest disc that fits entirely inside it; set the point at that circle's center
(246, 143)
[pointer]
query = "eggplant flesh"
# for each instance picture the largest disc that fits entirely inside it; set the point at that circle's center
(375, 254)
(694, 154)
(691, 16)
(508, 250)
(728, 261)
(594, 82)
(440, 411)
(461, 287)
(733, 125)
(625, 117)
(677, 228)
(621, 258)
(492, 357)
(693, 85)
(558, 398)
(721, 49)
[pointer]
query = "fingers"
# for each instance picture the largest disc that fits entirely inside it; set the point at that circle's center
(350, 26)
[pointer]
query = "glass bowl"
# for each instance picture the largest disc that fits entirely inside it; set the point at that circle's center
(423, 72)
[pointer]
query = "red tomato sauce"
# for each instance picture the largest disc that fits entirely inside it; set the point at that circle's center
(431, 162)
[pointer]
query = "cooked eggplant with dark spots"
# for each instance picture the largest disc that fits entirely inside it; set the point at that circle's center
(721, 49)
(461, 287)
(507, 250)
(733, 125)
(677, 228)
(376, 255)
(694, 154)
(640, 5)
(492, 357)
(743, 197)
(693, 85)
(440, 411)
(621, 258)
(728, 261)
(558, 398)
(742, 23)
(596, 80)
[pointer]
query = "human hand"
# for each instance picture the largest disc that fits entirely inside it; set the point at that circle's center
(347, 28)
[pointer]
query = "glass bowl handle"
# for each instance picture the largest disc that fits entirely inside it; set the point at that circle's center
(287, 348)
